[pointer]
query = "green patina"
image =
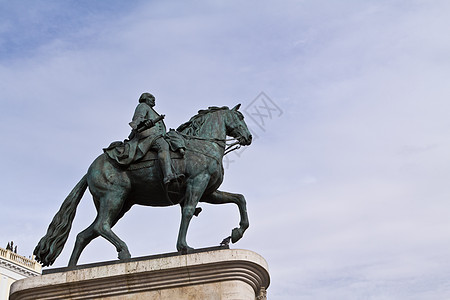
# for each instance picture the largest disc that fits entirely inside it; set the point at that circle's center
(194, 176)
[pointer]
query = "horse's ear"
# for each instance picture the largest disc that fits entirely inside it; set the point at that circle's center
(236, 107)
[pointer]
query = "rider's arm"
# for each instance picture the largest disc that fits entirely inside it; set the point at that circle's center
(140, 114)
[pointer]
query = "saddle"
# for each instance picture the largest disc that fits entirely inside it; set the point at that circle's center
(126, 154)
(149, 160)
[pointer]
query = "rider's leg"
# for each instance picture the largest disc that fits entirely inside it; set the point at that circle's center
(164, 158)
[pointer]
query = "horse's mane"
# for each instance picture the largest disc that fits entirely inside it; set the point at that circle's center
(193, 126)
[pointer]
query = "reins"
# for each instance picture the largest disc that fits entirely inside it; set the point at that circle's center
(229, 147)
(220, 142)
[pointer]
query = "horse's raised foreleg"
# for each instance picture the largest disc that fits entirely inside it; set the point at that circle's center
(219, 197)
(194, 191)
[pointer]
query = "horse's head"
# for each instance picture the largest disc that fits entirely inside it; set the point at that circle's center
(236, 127)
(205, 125)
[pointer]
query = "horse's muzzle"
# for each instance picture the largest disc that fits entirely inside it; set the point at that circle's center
(245, 141)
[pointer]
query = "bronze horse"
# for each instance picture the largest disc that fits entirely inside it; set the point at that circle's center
(116, 190)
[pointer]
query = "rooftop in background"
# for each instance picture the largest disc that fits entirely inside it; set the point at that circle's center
(28, 264)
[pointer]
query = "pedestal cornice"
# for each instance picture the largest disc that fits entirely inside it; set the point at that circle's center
(140, 276)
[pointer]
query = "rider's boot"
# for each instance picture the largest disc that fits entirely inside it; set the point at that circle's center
(169, 176)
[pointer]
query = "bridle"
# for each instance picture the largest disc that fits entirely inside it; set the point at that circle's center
(221, 142)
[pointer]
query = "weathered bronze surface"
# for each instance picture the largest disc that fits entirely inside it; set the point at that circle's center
(197, 172)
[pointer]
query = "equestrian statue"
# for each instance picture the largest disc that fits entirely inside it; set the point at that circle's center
(153, 168)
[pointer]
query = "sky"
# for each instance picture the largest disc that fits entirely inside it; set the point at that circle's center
(346, 180)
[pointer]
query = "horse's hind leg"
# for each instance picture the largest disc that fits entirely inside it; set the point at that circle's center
(219, 197)
(87, 235)
(109, 210)
(83, 239)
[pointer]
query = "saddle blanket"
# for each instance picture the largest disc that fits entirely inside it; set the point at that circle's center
(127, 154)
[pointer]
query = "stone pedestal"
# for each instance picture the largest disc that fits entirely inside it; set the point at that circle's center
(211, 274)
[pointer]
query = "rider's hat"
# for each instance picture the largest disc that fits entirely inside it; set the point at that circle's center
(145, 95)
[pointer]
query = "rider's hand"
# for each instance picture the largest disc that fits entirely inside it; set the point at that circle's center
(148, 123)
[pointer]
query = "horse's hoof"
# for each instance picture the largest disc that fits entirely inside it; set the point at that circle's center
(124, 255)
(236, 235)
(184, 249)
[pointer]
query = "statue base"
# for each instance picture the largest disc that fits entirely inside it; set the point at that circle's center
(210, 273)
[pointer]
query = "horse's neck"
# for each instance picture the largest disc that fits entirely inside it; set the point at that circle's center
(213, 128)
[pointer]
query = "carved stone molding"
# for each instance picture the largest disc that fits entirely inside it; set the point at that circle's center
(17, 268)
(221, 274)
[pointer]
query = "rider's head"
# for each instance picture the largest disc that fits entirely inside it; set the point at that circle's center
(147, 98)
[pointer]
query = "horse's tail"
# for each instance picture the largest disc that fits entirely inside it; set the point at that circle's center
(51, 245)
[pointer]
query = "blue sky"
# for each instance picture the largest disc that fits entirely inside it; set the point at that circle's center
(347, 188)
